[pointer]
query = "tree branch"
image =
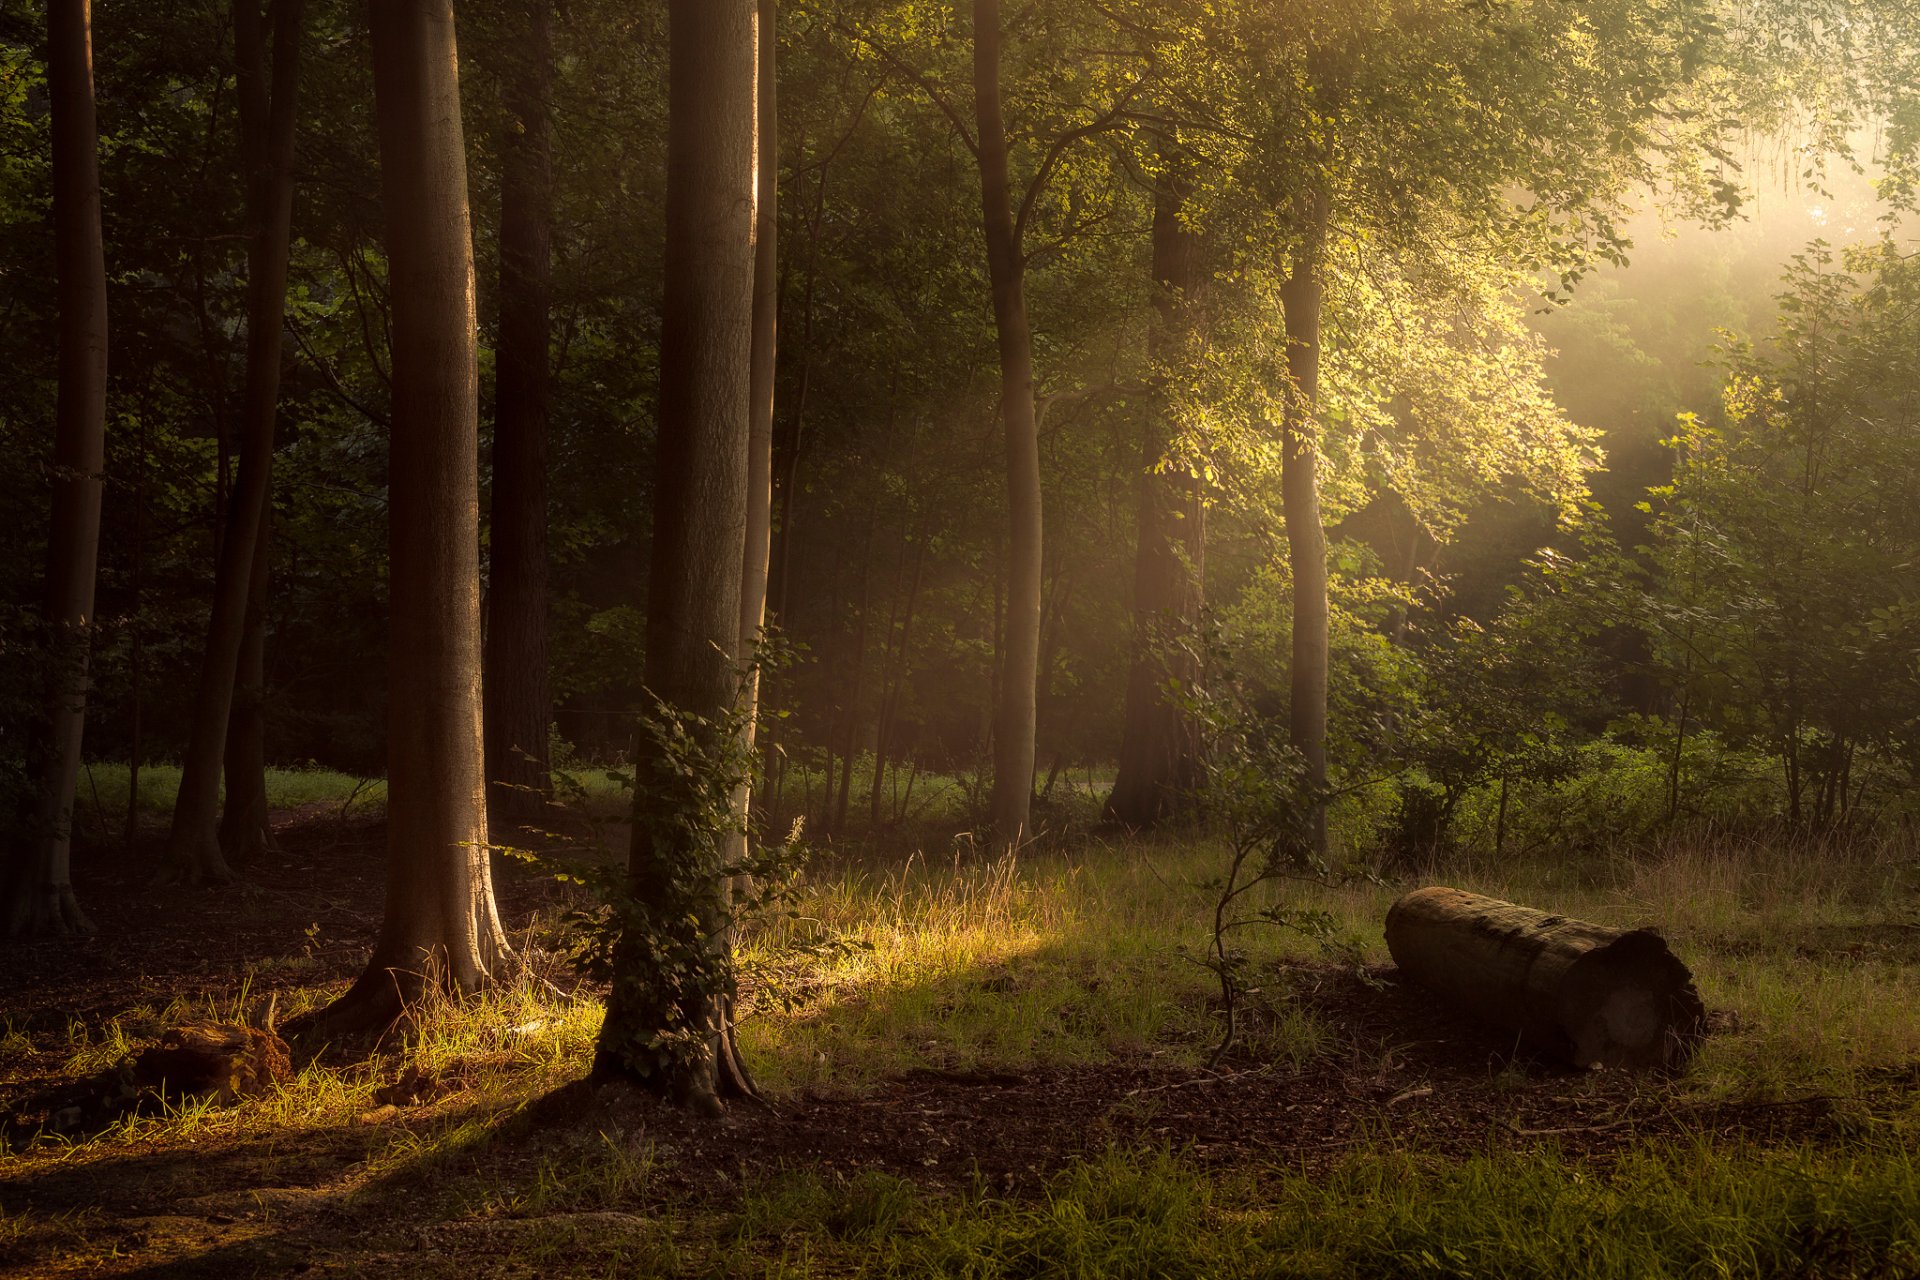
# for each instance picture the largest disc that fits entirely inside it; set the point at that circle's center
(1105, 122)
(926, 86)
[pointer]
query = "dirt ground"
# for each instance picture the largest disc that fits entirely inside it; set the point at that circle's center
(1405, 1075)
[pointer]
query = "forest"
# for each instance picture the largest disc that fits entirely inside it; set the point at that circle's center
(904, 638)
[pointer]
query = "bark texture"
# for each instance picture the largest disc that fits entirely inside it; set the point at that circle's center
(266, 106)
(440, 927)
(245, 835)
(38, 893)
(699, 548)
(1306, 536)
(1014, 715)
(1588, 995)
(518, 705)
(1159, 744)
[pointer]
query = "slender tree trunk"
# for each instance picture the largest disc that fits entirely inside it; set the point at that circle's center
(518, 705)
(1159, 744)
(892, 680)
(441, 928)
(38, 891)
(850, 711)
(136, 640)
(1306, 537)
(666, 1027)
(787, 453)
(245, 832)
(757, 555)
(266, 94)
(1014, 717)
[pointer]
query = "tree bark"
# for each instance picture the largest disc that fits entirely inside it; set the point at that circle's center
(666, 1027)
(518, 705)
(1306, 536)
(1014, 717)
(1587, 994)
(440, 929)
(38, 893)
(245, 833)
(1159, 744)
(266, 106)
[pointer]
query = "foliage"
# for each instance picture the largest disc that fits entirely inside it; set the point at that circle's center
(1786, 548)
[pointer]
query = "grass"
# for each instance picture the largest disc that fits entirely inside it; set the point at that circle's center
(1668, 1212)
(101, 801)
(1073, 956)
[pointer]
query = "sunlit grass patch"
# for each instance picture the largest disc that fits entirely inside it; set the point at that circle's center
(1040, 959)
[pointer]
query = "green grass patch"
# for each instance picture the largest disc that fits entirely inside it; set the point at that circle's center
(101, 801)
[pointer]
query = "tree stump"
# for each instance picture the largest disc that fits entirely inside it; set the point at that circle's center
(1586, 994)
(201, 1058)
(198, 1059)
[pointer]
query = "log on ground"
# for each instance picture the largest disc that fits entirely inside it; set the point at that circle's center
(1586, 994)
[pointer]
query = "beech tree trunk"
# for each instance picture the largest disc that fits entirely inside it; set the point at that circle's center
(1588, 995)
(1306, 536)
(667, 1027)
(266, 107)
(441, 928)
(518, 705)
(1014, 715)
(757, 557)
(245, 834)
(38, 890)
(1159, 744)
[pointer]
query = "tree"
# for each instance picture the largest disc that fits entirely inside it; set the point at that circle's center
(758, 544)
(1306, 535)
(440, 928)
(1159, 743)
(1389, 126)
(1013, 722)
(266, 103)
(39, 886)
(518, 705)
(667, 1025)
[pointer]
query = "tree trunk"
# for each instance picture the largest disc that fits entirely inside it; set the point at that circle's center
(1589, 995)
(1014, 716)
(667, 1027)
(440, 928)
(245, 834)
(1306, 537)
(893, 678)
(1159, 745)
(266, 105)
(38, 892)
(518, 705)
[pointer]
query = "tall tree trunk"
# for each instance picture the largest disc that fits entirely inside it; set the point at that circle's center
(245, 833)
(666, 1027)
(1306, 537)
(789, 448)
(38, 891)
(756, 559)
(894, 674)
(518, 705)
(440, 928)
(1159, 743)
(1014, 715)
(266, 106)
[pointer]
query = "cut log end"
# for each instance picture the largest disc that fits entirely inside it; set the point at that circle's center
(1590, 995)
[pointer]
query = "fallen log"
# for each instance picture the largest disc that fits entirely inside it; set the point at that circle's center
(1586, 994)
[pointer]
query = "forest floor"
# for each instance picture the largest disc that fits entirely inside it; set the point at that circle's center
(1002, 1075)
